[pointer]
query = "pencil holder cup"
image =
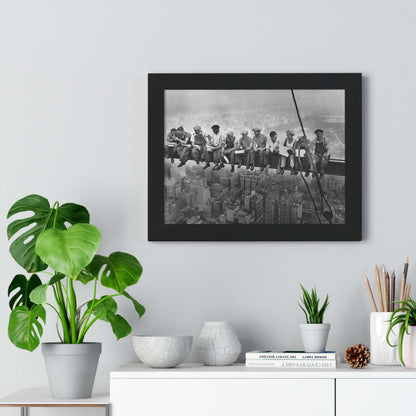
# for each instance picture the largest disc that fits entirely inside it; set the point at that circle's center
(382, 353)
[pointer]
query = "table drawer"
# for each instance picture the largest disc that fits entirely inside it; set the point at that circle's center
(222, 397)
(381, 397)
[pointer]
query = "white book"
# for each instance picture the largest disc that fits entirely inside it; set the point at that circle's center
(290, 355)
(292, 363)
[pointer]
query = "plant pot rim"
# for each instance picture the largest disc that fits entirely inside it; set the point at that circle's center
(315, 326)
(63, 343)
(59, 348)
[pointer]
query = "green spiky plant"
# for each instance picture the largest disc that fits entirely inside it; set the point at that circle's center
(310, 307)
(59, 243)
(404, 316)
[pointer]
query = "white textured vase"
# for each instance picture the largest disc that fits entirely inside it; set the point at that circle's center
(382, 353)
(409, 348)
(218, 344)
(314, 336)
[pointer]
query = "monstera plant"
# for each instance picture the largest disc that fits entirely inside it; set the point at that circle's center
(58, 243)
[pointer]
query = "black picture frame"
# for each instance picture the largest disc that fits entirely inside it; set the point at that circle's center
(350, 231)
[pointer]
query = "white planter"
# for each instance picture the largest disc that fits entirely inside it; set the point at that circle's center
(218, 344)
(409, 348)
(382, 353)
(314, 336)
(71, 368)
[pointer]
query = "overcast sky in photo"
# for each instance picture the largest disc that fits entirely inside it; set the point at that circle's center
(330, 102)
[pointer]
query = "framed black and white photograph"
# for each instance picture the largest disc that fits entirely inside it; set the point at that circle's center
(254, 157)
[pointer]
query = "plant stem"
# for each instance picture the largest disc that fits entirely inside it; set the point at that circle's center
(89, 311)
(56, 212)
(72, 311)
(81, 338)
(63, 315)
(87, 326)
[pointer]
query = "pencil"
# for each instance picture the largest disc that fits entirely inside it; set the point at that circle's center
(385, 304)
(370, 293)
(392, 290)
(380, 295)
(403, 282)
(406, 297)
(388, 292)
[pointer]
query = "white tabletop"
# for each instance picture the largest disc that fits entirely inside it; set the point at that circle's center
(42, 398)
(138, 370)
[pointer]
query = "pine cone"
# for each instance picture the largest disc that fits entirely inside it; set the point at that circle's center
(357, 356)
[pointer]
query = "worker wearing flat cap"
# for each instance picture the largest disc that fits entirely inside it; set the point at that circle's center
(320, 152)
(215, 145)
(199, 145)
(171, 143)
(184, 145)
(287, 151)
(303, 146)
(259, 146)
(272, 149)
(229, 148)
(244, 150)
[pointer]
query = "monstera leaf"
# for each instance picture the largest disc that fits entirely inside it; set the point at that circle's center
(25, 328)
(22, 248)
(108, 304)
(120, 270)
(38, 295)
(140, 309)
(106, 310)
(22, 288)
(68, 251)
(119, 325)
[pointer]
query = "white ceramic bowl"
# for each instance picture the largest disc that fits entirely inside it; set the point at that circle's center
(162, 351)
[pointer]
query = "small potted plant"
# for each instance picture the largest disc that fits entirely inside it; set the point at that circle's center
(60, 243)
(405, 318)
(314, 333)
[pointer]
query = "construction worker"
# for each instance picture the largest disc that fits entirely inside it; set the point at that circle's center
(229, 149)
(199, 145)
(303, 147)
(214, 148)
(171, 143)
(184, 145)
(245, 144)
(259, 146)
(288, 151)
(272, 148)
(320, 155)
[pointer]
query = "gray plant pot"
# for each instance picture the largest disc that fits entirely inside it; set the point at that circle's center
(314, 336)
(71, 368)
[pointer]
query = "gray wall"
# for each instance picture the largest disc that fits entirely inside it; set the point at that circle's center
(73, 128)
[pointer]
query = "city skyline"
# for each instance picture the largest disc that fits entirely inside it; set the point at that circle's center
(197, 196)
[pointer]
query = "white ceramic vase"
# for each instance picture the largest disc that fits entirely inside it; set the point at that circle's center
(382, 353)
(409, 347)
(218, 344)
(314, 336)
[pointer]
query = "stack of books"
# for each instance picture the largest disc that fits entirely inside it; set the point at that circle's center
(291, 359)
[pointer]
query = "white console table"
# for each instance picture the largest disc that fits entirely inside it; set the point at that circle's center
(197, 390)
(26, 399)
